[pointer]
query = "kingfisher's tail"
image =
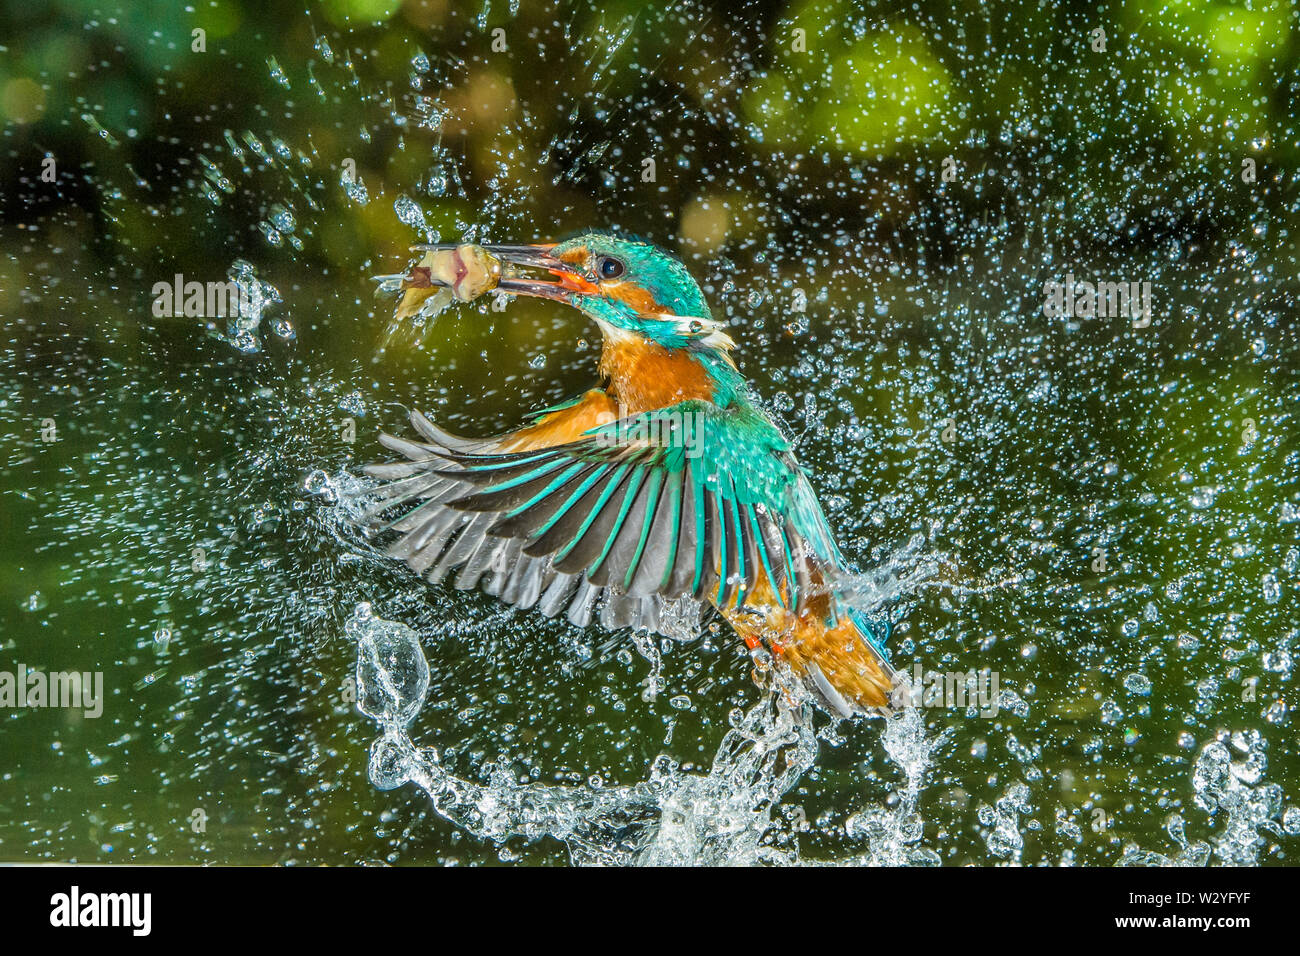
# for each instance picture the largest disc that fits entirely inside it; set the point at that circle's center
(844, 663)
(840, 656)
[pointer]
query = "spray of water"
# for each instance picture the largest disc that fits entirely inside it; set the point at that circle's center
(1103, 512)
(723, 817)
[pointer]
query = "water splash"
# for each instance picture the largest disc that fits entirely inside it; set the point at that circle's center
(673, 817)
(255, 297)
(353, 185)
(893, 834)
(409, 212)
(1002, 835)
(1228, 781)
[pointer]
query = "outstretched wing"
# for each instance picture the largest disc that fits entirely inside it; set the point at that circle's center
(690, 504)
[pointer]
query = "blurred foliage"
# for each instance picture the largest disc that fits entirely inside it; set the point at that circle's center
(848, 109)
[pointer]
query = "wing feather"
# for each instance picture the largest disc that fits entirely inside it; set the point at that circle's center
(594, 527)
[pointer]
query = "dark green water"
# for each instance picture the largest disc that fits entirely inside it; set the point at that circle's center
(1106, 516)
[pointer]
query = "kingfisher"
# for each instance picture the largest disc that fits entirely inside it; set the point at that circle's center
(663, 494)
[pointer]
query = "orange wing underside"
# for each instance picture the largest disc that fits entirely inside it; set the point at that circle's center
(564, 425)
(642, 377)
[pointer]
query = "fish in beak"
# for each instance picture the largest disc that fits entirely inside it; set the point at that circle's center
(463, 272)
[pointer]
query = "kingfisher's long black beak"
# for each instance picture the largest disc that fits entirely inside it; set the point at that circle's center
(517, 260)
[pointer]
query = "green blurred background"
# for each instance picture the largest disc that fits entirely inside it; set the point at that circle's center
(798, 152)
(1152, 128)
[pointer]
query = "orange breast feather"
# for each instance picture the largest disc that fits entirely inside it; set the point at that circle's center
(644, 375)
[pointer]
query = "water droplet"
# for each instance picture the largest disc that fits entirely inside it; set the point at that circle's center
(1272, 589)
(1138, 684)
(277, 73)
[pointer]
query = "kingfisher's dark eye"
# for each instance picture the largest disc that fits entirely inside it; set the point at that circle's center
(610, 268)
